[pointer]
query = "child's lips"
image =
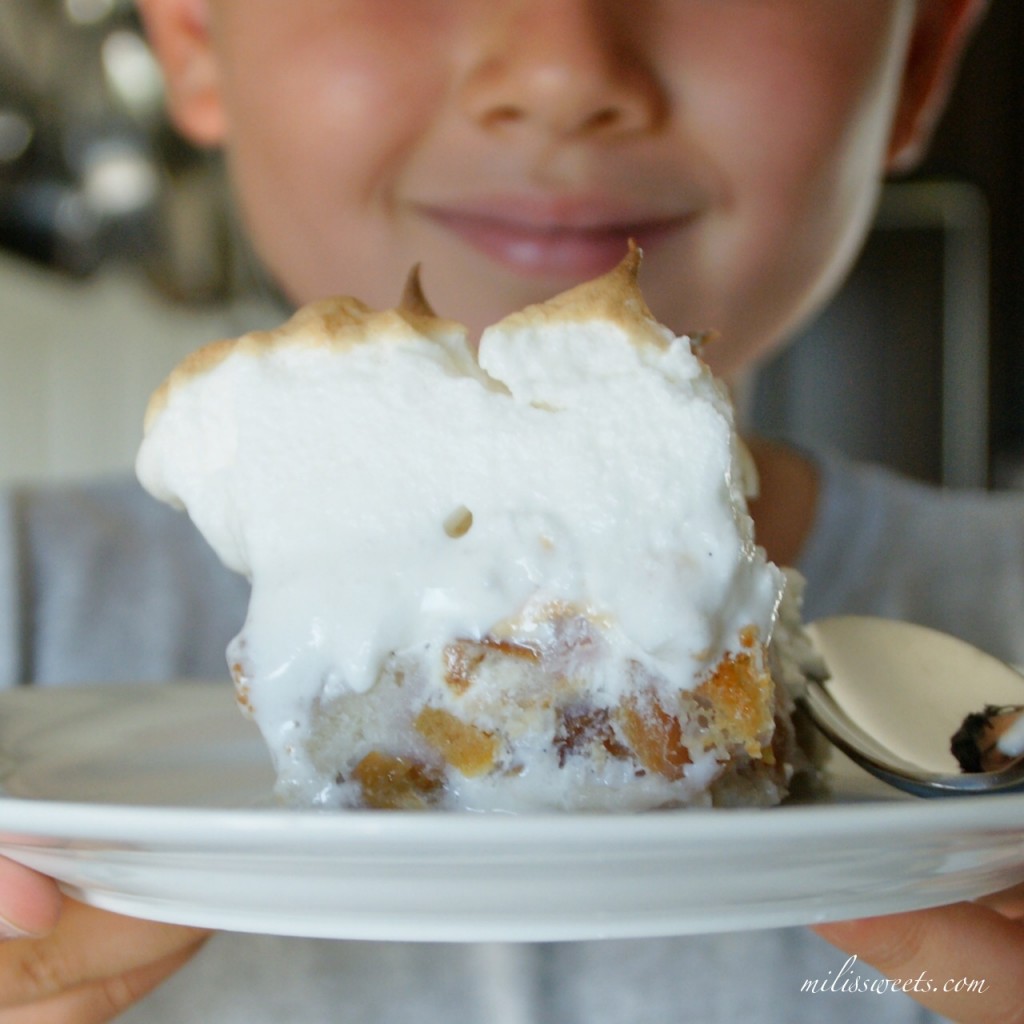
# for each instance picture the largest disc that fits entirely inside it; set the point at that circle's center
(578, 244)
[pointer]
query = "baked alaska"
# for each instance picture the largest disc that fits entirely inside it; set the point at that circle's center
(524, 579)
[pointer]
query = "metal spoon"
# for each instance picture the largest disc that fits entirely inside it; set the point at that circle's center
(895, 695)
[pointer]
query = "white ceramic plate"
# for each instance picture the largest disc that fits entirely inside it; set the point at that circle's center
(152, 801)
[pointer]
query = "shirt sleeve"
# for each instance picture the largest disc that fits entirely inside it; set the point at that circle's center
(885, 545)
(101, 583)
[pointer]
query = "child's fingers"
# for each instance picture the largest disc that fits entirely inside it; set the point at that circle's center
(963, 961)
(1009, 902)
(98, 1001)
(29, 902)
(89, 948)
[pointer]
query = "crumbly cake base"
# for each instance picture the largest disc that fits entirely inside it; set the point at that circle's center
(502, 724)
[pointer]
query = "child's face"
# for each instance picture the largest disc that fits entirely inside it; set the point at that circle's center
(513, 147)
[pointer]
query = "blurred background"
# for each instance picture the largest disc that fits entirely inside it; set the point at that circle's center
(107, 217)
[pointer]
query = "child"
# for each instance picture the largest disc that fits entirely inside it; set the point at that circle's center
(513, 148)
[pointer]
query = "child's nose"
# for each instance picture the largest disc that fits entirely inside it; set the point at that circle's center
(563, 67)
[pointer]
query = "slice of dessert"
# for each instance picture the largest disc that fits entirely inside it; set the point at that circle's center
(518, 579)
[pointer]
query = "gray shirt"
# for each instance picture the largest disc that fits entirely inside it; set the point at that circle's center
(99, 582)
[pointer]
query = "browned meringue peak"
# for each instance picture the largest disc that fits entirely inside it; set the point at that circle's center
(340, 322)
(614, 297)
(343, 321)
(413, 301)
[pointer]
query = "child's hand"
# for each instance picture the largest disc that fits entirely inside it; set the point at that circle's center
(66, 962)
(949, 947)
(29, 902)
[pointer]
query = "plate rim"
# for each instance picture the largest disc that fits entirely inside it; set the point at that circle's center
(23, 818)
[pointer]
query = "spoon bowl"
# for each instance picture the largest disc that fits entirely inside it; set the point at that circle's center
(895, 695)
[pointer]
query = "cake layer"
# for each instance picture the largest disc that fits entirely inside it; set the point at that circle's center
(546, 542)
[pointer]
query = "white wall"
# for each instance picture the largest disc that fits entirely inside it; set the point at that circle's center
(78, 361)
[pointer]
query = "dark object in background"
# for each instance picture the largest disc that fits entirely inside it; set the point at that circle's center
(90, 169)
